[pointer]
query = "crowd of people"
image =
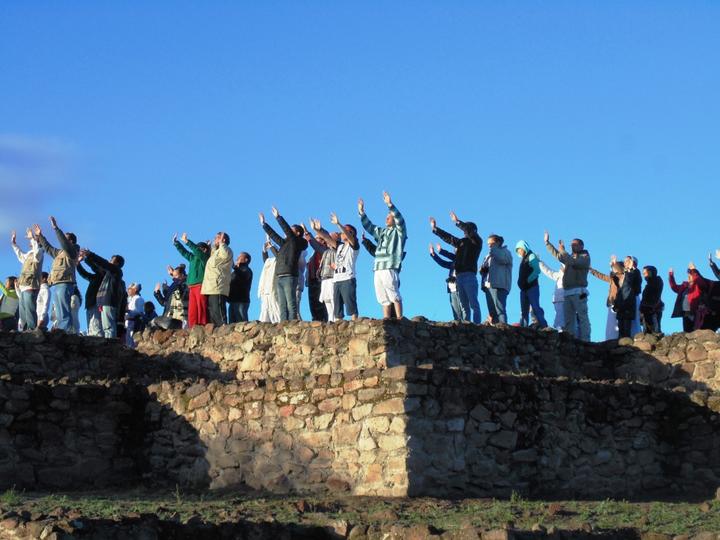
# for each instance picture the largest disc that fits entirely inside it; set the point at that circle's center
(213, 286)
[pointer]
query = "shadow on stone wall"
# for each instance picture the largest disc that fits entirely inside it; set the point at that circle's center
(479, 434)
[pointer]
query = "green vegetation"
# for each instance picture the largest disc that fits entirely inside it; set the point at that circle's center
(660, 517)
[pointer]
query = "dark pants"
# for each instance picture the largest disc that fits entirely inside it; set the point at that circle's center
(286, 289)
(8, 324)
(318, 311)
(345, 297)
(651, 322)
(625, 327)
(216, 309)
(530, 298)
(238, 312)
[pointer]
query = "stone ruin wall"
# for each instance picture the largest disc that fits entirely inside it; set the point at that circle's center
(368, 408)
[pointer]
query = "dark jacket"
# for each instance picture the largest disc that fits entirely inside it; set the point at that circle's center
(651, 300)
(240, 283)
(529, 267)
(174, 299)
(448, 263)
(94, 281)
(715, 269)
(625, 304)
(290, 248)
(111, 292)
(468, 247)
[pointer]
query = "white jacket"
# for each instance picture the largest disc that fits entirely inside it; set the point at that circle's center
(556, 276)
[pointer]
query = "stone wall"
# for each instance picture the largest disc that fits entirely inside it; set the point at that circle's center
(368, 408)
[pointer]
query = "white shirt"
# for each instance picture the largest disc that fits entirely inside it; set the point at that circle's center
(43, 304)
(35, 251)
(345, 262)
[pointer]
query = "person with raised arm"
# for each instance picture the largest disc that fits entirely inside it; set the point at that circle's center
(613, 278)
(316, 274)
(287, 263)
(451, 284)
(691, 302)
(577, 266)
(713, 264)
(216, 279)
(269, 309)
(62, 273)
(28, 283)
(558, 293)
(467, 253)
(388, 255)
(626, 300)
(197, 255)
(111, 298)
(347, 249)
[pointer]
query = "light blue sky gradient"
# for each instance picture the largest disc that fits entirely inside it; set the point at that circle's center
(131, 121)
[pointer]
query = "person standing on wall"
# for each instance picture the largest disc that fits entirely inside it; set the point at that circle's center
(467, 253)
(388, 256)
(240, 284)
(496, 272)
(287, 263)
(216, 279)
(197, 255)
(577, 266)
(28, 283)
(62, 273)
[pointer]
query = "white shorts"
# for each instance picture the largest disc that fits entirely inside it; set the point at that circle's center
(327, 290)
(387, 287)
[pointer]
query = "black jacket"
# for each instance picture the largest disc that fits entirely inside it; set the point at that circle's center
(111, 291)
(94, 281)
(625, 304)
(651, 301)
(468, 248)
(240, 283)
(290, 248)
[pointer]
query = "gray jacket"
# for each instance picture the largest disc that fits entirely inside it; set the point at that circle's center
(497, 268)
(577, 267)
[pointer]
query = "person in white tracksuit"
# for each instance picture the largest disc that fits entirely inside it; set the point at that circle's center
(269, 308)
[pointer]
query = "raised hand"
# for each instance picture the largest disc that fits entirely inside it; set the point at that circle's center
(691, 266)
(361, 206)
(262, 218)
(334, 219)
(454, 217)
(433, 223)
(671, 272)
(386, 198)
(13, 237)
(717, 254)
(174, 238)
(561, 245)
(275, 212)
(184, 237)
(613, 259)
(53, 222)
(29, 233)
(37, 230)
(546, 237)
(431, 249)
(438, 247)
(170, 270)
(157, 287)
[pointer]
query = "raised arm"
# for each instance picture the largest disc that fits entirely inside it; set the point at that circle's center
(184, 253)
(351, 236)
(447, 254)
(713, 265)
(52, 251)
(369, 245)
(600, 275)
(440, 261)
(549, 272)
(275, 237)
(99, 262)
(70, 248)
(84, 273)
(443, 234)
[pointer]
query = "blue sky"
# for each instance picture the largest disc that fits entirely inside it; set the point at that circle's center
(591, 119)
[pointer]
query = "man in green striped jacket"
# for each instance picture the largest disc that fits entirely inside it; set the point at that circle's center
(388, 256)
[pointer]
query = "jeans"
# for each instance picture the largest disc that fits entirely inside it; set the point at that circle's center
(496, 299)
(63, 312)
(93, 322)
(467, 291)
(28, 309)
(108, 316)
(456, 306)
(286, 291)
(345, 296)
(531, 298)
(577, 322)
(217, 312)
(238, 312)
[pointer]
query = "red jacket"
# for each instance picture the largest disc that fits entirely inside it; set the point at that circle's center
(695, 290)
